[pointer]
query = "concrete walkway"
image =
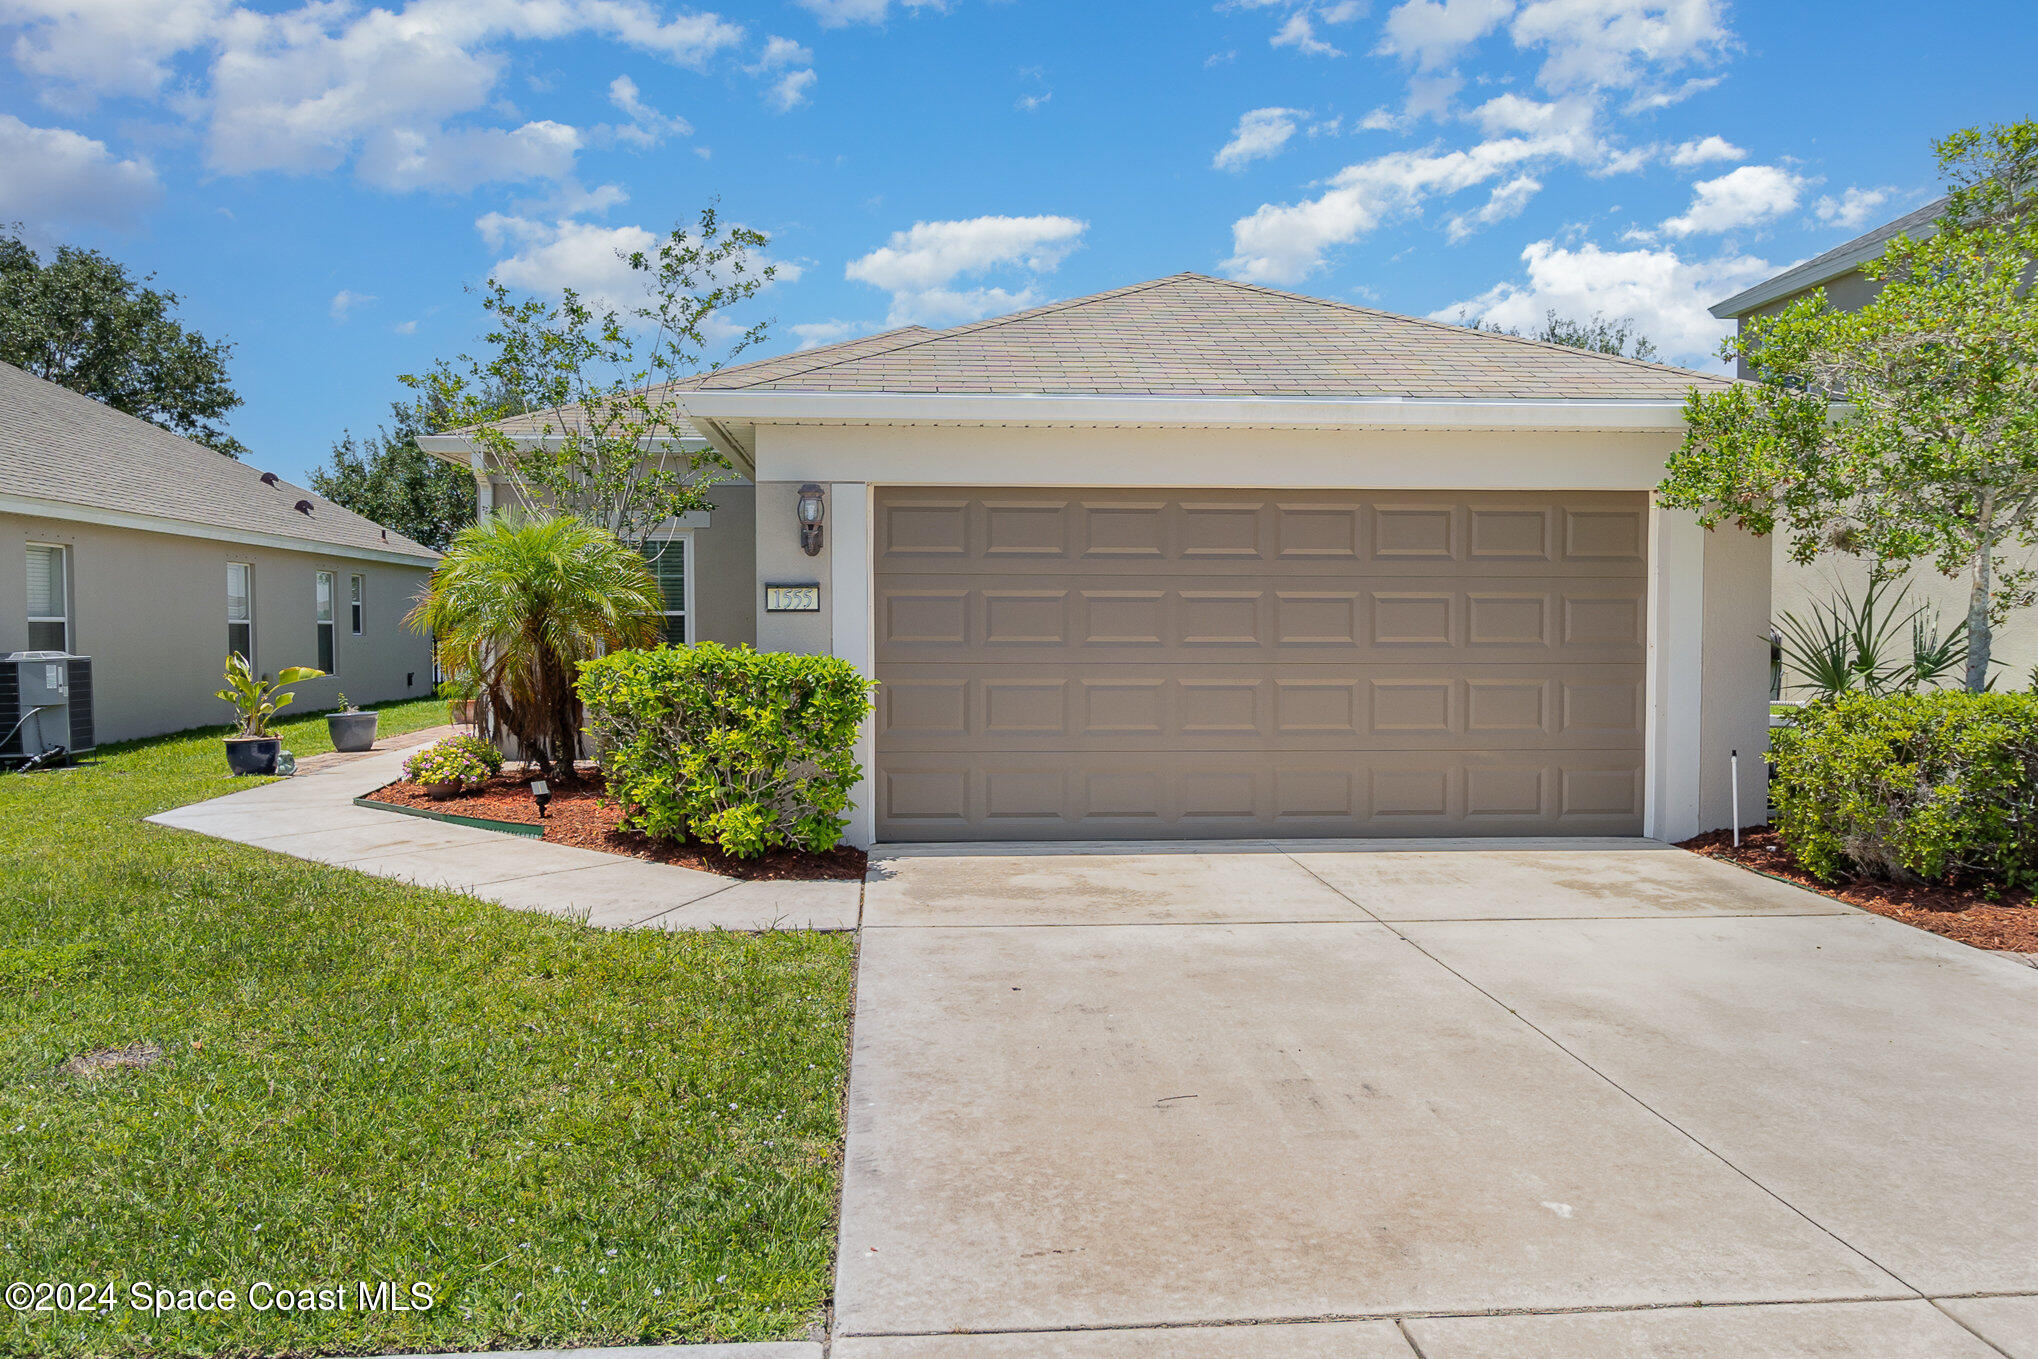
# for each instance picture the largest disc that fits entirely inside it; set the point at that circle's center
(1468, 1100)
(313, 816)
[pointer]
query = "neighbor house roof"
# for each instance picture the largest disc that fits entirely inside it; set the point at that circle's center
(1822, 269)
(64, 455)
(1190, 335)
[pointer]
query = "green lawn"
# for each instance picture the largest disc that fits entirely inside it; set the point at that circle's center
(575, 1137)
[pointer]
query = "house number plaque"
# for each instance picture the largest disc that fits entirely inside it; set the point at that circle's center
(792, 598)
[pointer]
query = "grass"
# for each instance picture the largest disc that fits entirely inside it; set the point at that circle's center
(576, 1137)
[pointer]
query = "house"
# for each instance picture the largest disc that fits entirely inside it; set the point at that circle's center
(2014, 645)
(158, 557)
(1197, 558)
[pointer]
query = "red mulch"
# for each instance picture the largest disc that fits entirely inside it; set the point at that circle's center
(581, 814)
(1973, 913)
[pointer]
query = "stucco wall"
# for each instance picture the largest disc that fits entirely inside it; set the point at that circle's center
(150, 609)
(1734, 685)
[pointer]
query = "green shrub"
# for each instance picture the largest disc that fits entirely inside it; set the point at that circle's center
(744, 749)
(1915, 786)
(466, 760)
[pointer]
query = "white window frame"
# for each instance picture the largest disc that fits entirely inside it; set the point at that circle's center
(357, 602)
(329, 625)
(249, 621)
(63, 551)
(684, 542)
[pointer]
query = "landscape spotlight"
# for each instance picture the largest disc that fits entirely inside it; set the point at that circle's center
(541, 793)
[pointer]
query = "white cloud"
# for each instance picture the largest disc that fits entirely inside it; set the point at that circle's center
(401, 159)
(1618, 44)
(344, 304)
(405, 327)
(1027, 103)
(647, 126)
(409, 87)
(1853, 209)
(813, 334)
(546, 256)
(101, 47)
(1284, 243)
(841, 13)
(1432, 32)
(789, 91)
(52, 175)
(1505, 201)
(1260, 133)
(1745, 197)
(782, 52)
(1299, 32)
(1703, 151)
(1667, 296)
(920, 265)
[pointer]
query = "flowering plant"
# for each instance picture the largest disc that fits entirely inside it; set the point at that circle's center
(465, 760)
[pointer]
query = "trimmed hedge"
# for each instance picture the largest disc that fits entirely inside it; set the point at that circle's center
(1914, 786)
(744, 749)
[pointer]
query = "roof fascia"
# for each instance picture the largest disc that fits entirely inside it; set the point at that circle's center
(184, 528)
(717, 410)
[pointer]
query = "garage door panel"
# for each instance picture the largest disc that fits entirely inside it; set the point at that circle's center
(1109, 532)
(950, 795)
(1147, 663)
(1462, 620)
(993, 706)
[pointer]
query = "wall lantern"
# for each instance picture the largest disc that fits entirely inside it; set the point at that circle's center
(812, 512)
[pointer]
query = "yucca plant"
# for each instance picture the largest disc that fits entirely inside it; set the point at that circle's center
(519, 604)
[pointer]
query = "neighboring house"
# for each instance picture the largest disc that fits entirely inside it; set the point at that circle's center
(156, 557)
(1197, 558)
(1797, 588)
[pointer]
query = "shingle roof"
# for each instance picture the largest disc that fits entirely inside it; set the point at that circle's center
(781, 366)
(1841, 259)
(59, 445)
(1191, 335)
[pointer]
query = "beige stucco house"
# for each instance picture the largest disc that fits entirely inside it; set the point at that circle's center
(1798, 588)
(1196, 558)
(156, 556)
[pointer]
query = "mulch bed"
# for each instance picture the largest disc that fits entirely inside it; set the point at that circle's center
(1972, 913)
(581, 814)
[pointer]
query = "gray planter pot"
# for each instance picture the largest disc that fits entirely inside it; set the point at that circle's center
(252, 754)
(352, 731)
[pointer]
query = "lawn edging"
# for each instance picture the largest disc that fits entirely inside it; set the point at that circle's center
(529, 830)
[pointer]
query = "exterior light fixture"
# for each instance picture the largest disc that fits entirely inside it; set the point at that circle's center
(812, 512)
(541, 793)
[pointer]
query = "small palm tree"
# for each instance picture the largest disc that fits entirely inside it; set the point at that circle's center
(520, 603)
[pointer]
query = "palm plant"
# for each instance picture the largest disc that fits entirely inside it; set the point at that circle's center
(1854, 644)
(519, 604)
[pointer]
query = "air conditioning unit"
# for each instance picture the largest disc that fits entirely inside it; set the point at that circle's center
(45, 706)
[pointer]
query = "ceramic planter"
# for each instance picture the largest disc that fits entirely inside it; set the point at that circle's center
(252, 754)
(352, 731)
(439, 792)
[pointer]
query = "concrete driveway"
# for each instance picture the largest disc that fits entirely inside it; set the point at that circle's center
(1448, 1100)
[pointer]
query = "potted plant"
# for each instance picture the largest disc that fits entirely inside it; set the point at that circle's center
(255, 701)
(462, 698)
(451, 767)
(350, 728)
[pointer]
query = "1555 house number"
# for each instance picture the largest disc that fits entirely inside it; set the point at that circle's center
(792, 598)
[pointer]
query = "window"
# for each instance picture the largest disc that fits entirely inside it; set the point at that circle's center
(240, 611)
(325, 622)
(49, 599)
(357, 594)
(667, 559)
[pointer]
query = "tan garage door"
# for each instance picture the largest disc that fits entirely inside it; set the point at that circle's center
(1147, 663)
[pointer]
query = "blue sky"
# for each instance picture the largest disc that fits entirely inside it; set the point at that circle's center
(322, 181)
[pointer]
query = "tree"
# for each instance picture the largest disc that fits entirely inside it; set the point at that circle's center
(1905, 431)
(388, 478)
(519, 604)
(601, 431)
(82, 321)
(1599, 334)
